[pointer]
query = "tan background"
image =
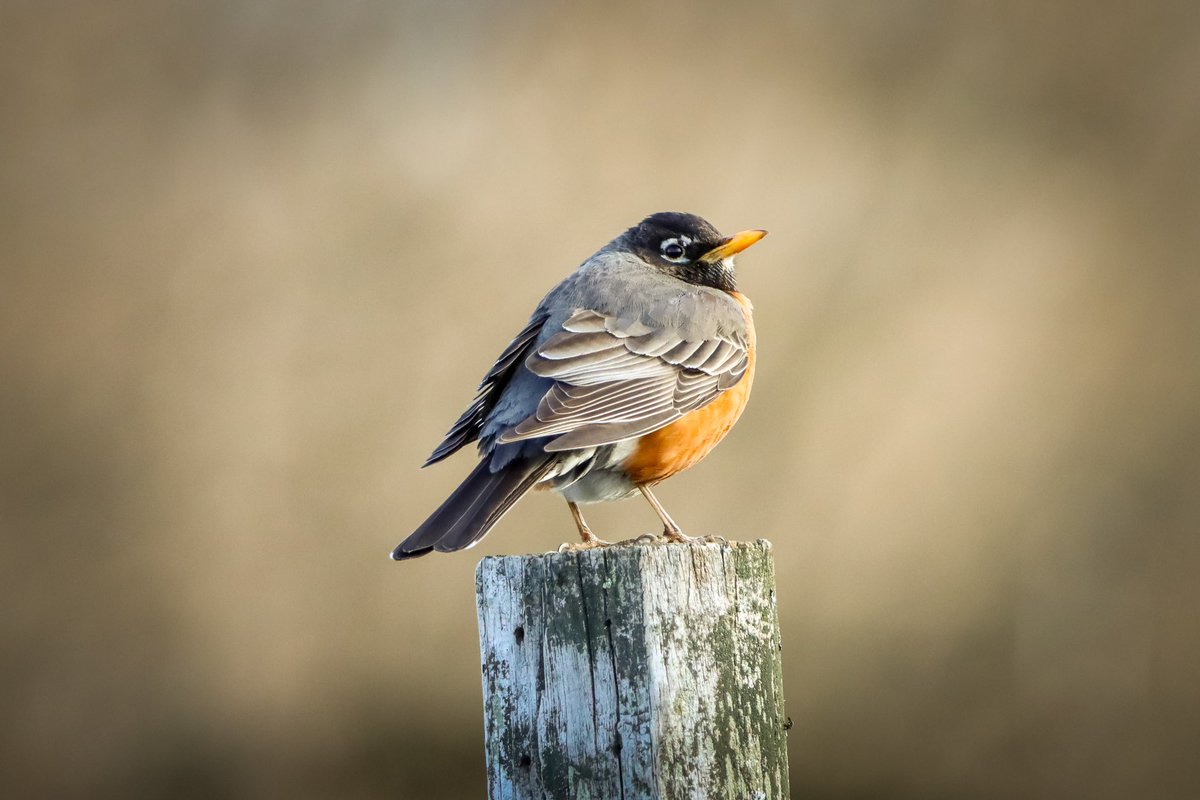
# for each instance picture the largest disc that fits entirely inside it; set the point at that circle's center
(256, 256)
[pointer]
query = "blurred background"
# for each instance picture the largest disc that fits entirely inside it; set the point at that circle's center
(257, 255)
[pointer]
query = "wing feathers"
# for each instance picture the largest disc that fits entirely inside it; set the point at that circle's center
(597, 435)
(617, 379)
(466, 429)
(681, 352)
(568, 344)
(654, 343)
(586, 321)
(698, 358)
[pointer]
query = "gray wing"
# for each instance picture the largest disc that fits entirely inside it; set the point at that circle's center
(619, 379)
(468, 426)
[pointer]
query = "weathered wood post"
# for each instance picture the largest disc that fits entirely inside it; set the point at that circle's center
(639, 672)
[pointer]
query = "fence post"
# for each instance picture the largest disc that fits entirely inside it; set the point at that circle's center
(639, 672)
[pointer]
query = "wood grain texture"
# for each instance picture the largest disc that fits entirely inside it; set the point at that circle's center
(633, 672)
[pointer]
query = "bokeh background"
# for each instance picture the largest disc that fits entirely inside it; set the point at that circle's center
(257, 254)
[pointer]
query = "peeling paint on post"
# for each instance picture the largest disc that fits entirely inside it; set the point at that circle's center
(640, 672)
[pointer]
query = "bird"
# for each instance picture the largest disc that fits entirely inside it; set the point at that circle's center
(630, 370)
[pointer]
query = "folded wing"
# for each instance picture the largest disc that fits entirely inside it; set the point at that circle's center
(619, 379)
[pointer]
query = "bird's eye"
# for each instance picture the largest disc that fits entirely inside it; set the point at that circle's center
(672, 250)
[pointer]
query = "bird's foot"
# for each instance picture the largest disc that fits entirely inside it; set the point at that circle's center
(589, 542)
(677, 536)
(645, 538)
(579, 547)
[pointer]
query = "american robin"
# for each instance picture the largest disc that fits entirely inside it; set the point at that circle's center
(629, 371)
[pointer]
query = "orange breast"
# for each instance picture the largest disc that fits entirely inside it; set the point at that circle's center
(687, 440)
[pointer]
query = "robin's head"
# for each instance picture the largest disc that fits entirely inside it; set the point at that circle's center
(687, 247)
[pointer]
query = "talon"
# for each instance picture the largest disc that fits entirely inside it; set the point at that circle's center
(677, 536)
(716, 540)
(591, 540)
(590, 544)
(644, 539)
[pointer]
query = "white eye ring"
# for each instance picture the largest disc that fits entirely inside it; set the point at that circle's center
(675, 250)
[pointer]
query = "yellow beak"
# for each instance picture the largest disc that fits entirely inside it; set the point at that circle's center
(733, 245)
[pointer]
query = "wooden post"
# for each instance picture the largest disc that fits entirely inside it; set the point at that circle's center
(639, 672)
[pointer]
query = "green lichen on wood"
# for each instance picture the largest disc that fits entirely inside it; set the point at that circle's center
(647, 671)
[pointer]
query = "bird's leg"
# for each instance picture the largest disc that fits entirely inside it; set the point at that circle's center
(585, 533)
(671, 531)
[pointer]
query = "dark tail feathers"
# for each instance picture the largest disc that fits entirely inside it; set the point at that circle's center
(473, 508)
